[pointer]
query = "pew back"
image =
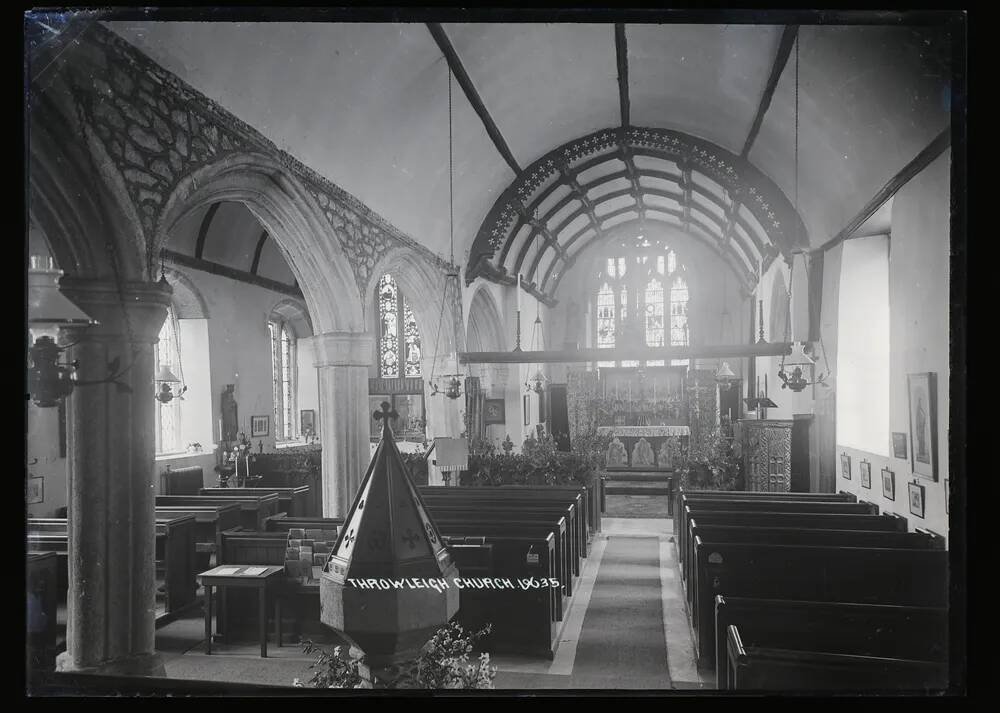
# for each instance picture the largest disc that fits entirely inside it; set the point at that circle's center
(818, 573)
(888, 631)
(758, 668)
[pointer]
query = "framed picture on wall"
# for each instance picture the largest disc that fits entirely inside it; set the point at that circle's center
(845, 466)
(866, 474)
(888, 484)
(922, 389)
(917, 503)
(899, 445)
(527, 409)
(307, 422)
(35, 490)
(494, 411)
(259, 425)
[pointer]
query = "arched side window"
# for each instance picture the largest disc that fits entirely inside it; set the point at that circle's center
(398, 337)
(639, 281)
(168, 415)
(283, 345)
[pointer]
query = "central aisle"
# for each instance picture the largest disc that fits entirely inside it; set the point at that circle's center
(621, 644)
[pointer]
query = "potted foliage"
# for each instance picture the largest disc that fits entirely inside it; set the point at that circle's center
(442, 663)
(708, 463)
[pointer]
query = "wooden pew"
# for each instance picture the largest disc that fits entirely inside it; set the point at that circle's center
(682, 494)
(772, 669)
(525, 621)
(809, 536)
(494, 531)
(567, 545)
(708, 505)
(283, 523)
(580, 495)
(811, 573)
(175, 549)
(210, 521)
(293, 501)
(520, 495)
(254, 509)
(42, 580)
(886, 631)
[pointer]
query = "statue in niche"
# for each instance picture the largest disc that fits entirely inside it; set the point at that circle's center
(665, 454)
(230, 419)
(616, 457)
(642, 454)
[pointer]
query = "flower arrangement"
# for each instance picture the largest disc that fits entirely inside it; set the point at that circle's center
(708, 463)
(540, 462)
(443, 663)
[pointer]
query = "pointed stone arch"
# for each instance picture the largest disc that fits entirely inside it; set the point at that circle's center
(289, 213)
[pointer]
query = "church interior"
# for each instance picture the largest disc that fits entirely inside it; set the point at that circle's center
(545, 355)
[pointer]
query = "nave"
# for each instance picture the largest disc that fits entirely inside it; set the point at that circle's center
(543, 355)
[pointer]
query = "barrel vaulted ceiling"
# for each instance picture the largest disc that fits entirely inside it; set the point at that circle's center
(366, 105)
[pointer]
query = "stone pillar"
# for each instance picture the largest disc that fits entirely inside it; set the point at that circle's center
(343, 360)
(111, 445)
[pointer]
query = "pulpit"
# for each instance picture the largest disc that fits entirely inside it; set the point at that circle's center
(766, 452)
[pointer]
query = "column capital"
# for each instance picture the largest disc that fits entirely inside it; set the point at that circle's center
(344, 348)
(143, 304)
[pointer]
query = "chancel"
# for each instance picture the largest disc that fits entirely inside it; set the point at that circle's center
(541, 352)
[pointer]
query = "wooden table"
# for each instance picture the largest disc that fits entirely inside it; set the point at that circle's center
(259, 577)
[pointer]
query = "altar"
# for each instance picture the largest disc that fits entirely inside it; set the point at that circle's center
(645, 412)
(644, 447)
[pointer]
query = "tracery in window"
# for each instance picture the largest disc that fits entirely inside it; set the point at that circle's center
(639, 283)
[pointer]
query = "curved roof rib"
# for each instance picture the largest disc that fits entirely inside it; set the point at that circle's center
(583, 191)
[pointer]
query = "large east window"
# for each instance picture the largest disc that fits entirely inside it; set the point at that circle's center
(398, 337)
(283, 374)
(641, 298)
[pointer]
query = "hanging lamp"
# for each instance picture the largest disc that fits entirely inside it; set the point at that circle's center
(452, 381)
(791, 369)
(164, 376)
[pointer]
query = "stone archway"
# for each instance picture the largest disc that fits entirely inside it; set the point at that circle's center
(290, 215)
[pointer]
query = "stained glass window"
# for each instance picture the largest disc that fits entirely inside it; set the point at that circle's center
(388, 310)
(399, 338)
(411, 341)
(679, 316)
(605, 318)
(642, 294)
(168, 415)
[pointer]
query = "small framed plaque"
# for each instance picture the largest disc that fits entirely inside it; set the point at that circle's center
(35, 490)
(888, 484)
(917, 503)
(899, 445)
(494, 411)
(845, 466)
(259, 425)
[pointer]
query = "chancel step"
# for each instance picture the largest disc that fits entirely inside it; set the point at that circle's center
(650, 477)
(636, 488)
